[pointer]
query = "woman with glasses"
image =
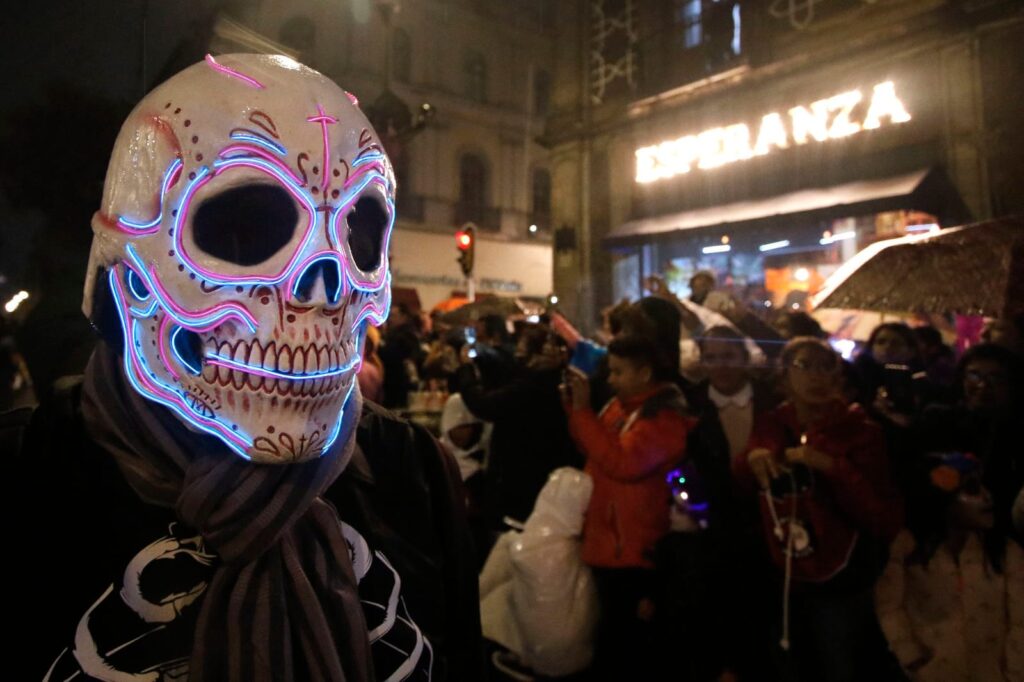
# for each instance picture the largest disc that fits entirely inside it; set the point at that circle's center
(829, 509)
(985, 421)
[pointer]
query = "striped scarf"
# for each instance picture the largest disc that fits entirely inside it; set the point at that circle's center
(283, 601)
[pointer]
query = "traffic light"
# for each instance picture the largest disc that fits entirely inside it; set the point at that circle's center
(465, 242)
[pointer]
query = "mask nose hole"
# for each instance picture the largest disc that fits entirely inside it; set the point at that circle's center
(328, 271)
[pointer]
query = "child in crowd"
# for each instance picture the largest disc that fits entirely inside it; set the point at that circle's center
(629, 448)
(951, 601)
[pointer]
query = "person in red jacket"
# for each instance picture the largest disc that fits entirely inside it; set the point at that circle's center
(635, 441)
(829, 509)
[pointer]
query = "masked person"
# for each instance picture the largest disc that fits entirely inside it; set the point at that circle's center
(214, 500)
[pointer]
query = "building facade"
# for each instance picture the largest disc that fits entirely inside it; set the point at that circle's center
(770, 141)
(472, 155)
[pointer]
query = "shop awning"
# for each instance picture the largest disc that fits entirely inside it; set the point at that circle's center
(923, 190)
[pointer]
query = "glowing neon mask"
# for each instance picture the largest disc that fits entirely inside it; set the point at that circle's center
(244, 235)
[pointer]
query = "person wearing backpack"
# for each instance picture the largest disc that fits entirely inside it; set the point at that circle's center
(829, 510)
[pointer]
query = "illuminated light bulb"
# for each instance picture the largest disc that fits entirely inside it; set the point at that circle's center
(725, 239)
(533, 229)
(838, 237)
(771, 246)
(802, 274)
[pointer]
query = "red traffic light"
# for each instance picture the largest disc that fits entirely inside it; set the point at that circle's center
(463, 240)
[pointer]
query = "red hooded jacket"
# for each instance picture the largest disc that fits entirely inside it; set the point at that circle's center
(857, 489)
(630, 448)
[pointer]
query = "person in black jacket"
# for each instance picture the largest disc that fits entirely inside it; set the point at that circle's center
(401, 355)
(213, 500)
(531, 436)
(89, 531)
(713, 570)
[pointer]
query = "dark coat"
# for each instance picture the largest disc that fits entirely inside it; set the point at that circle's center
(994, 439)
(708, 448)
(530, 437)
(79, 522)
(399, 345)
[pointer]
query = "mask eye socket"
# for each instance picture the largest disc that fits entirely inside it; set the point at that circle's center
(245, 225)
(366, 224)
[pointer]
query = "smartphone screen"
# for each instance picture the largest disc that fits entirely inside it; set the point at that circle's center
(899, 385)
(470, 334)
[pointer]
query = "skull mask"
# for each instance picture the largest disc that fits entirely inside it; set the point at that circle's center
(244, 237)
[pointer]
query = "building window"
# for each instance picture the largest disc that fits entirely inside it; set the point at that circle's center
(541, 92)
(688, 18)
(474, 71)
(712, 23)
(300, 33)
(737, 45)
(473, 181)
(401, 56)
(541, 215)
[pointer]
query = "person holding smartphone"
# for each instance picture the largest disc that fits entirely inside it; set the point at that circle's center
(530, 437)
(629, 446)
(892, 386)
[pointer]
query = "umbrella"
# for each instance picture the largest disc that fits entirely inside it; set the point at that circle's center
(972, 270)
(491, 305)
(449, 304)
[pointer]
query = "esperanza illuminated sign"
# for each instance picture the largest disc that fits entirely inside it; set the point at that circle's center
(827, 119)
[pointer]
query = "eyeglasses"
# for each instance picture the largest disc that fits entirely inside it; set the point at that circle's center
(987, 378)
(818, 367)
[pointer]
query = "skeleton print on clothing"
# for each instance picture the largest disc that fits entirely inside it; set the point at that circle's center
(140, 627)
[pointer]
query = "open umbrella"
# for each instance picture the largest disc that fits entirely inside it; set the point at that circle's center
(491, 305)
(449, 304)
(971, 270)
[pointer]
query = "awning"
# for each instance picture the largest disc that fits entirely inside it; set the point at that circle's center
(924, 190)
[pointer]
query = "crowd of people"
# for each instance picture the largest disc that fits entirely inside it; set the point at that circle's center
(762, 509)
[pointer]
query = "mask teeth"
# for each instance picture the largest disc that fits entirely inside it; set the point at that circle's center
(270, 362)
(255, 381)
(284, 358)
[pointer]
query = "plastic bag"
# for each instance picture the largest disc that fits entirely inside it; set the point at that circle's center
(537, 596)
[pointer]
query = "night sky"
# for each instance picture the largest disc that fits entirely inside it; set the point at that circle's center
(73, 71)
